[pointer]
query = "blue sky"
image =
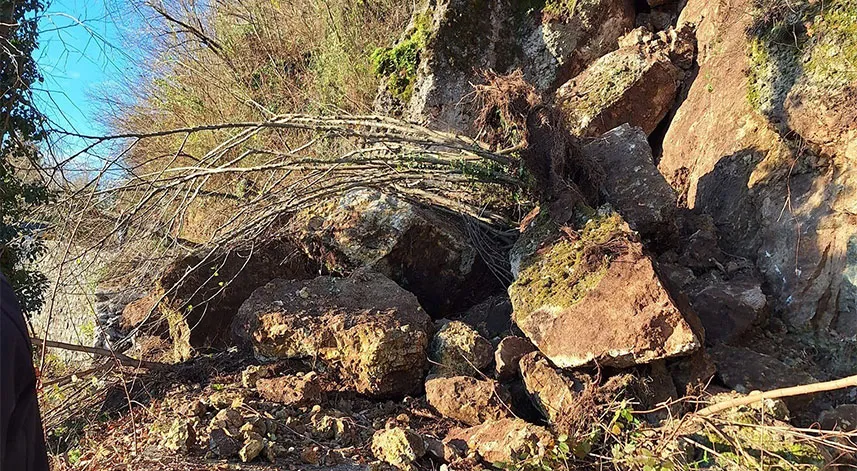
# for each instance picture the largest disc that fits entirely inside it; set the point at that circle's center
(81, 52)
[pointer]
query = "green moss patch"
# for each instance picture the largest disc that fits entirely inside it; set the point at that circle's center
(603, 84)
(566, 268)
(790, 41)
(398, 64)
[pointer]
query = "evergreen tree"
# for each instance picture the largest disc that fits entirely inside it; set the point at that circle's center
(21, 130)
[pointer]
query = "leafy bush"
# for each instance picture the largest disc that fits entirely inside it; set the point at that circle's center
(20, 131)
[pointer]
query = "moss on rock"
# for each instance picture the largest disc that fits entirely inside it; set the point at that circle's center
(561, 273)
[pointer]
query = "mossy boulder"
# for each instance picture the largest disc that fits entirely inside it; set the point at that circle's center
(370, 331)
(458, 349)
(591, 295)
(428, 254)
(625, 86)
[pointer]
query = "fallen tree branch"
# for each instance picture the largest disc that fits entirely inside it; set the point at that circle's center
(848, 382)
(122, 359)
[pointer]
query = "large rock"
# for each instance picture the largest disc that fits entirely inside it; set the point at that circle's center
(365, 326)
(195, 298)
(468, 399)
(502, 441)
(592, 296)
(728, 309)
(458, 349)
(491, 318)
(556, 395)
(770, 159)
(427, 254)
(625, 86)
(632, 184)
(456, 39)
(745, 371)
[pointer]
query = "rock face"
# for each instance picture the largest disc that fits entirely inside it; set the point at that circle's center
(197, 297)
(367, 328)
(625, 86)
(593, 296)
(555, 395)
(501, 441)
(508, 354)
(297, 390)
(423, 252)
(468, 399)
(458, 349)
(730, 152)
(458, 38)
(633, 185)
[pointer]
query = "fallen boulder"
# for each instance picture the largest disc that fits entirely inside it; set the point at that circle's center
(458, 349)
(728, 309)
(491, 318)
(453, 40)
(195, 298)
(625, 86)
(468, 399)
(502, 441)
(632, 184)
(425, 253)
(368, 329)
(591, 295)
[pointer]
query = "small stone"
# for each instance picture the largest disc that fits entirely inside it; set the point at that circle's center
(180, 436)
(295, 391)
(228, 419)
(222, 444)
(398, 446)
(310, 455)
(253, 446)
(253, 373)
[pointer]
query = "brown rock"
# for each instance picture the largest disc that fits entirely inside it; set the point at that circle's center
(297, 390)
(458, 349)
(398, 446)
(427, 254)
(491, 318)
(365, 326)
(691, 374)
(595, 297)
(509, 352)
(632, 184)
(554, 394)
(725, 152)
(222, 444)
(197, 297)
(468, 399)
(625, 86)
(501, 441)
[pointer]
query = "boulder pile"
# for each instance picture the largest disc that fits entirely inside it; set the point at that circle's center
(681, 275)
